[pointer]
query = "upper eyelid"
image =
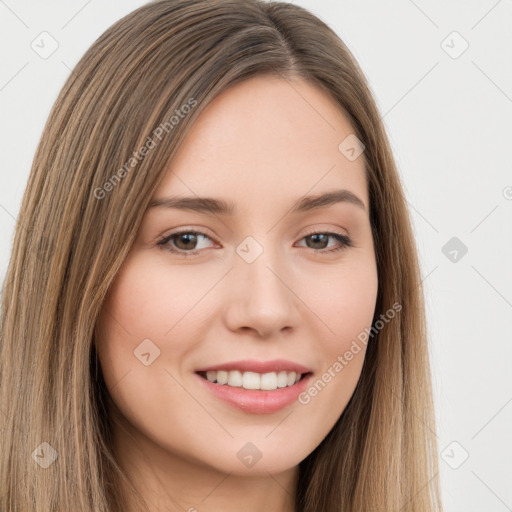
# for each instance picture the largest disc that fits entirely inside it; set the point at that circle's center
(187, 230)
(205, 231)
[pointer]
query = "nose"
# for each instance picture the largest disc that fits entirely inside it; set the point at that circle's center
(260, 296)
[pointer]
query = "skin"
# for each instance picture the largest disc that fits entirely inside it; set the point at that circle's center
(262, 144)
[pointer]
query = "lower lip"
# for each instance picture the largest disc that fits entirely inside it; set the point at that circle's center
(257, 401)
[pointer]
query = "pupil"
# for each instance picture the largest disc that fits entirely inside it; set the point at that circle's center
(316, 238)
(186, 237)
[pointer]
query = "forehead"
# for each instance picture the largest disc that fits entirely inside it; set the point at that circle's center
(264, 139)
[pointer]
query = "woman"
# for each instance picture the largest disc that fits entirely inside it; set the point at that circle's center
(282, 362)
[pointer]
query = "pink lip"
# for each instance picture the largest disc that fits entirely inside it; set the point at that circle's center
(257, 401)
(251, 365)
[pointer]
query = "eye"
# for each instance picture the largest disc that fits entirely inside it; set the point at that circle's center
(320, 238)
(183, 241)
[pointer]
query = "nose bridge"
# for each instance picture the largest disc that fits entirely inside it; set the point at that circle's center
(258, 265)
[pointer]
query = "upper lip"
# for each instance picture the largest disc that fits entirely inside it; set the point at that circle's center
(251, 365)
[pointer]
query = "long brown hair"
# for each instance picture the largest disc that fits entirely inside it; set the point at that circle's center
(153, 72)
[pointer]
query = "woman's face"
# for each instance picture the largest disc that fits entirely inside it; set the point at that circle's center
(251, 293)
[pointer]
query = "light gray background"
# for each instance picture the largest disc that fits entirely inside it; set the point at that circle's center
(449, 120)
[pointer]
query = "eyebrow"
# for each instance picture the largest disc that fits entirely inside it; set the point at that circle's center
(221, 207)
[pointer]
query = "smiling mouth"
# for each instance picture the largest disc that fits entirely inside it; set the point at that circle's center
(252, 380)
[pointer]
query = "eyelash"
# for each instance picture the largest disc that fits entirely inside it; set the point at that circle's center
(344, 240)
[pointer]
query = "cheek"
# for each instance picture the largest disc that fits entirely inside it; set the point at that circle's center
(345, 301)
(130, 316)
(148, 312)
(133, 348)
(346, 306)
(351, 308)
(144, 302)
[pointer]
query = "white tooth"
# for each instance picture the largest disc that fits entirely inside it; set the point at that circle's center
(269, 381)
(291, 378)
(222, 377)
(251, 380)
(282, 379)
(235, 378)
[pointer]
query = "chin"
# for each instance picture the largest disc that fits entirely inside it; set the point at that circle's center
(257, 457)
